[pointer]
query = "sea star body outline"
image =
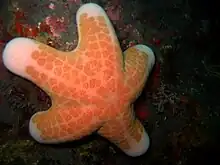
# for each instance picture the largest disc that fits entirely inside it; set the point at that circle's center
(92, 88)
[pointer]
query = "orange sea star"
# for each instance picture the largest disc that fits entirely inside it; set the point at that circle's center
(92, 87)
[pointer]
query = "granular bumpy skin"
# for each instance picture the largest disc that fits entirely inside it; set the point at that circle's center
(92, 88)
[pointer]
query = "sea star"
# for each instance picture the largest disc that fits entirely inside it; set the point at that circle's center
(92, 88)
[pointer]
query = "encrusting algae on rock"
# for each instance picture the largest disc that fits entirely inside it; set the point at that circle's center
(12, 150)
(92, 88)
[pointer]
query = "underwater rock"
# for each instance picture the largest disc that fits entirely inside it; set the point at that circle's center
(6, 113)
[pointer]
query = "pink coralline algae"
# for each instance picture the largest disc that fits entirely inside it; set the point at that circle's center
(113, 12)
(57, 25)
(51, 6)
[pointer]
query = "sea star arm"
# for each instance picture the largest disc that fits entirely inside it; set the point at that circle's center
(97, 39)
(138, 61)
(126, 132)
(97, 48)
(63, 124)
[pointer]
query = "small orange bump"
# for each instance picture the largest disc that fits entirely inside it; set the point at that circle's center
(98, 83)
(57, 71)
(88, 70)
(59, 119)
(88, 117)
(66, 93)
(92, 83)
(95, 29)
(66, 76)
(88, 53)
(62, 133)
(125, 145)
(105, 30)
(76, 113)
(65, 127)
(48, 65)
(101, 24)
(31, 71)
(74, 73)
(72, 90)
(86, 85)
(43, 77)
(107, 74)
(101, 19)
(110, 48)
(52, 81)
(72, 125)
(41, 61)
(109, 40)
(79, 66)
(91, 37)
(93, 46)
(49, 132)
(35, 54)
(112, 112)
(102, 44)
(102, 36)
(97, 55)
(58, 62)
(70, 130)
(66, 68)
(50, 58)
(83, 78)
(113, 58)
(77, 81)
(56, 117)
(40, 126)
(109, 63)
(83, 16)
(81, 122)
(67, 117)
(105, 53)
(46, 123)
(62, 85)
(112, 85)
(55, 130)
(52, 122)
(102, 91)
(56, 89)
(91, 19)
(89, 24)
(81, 93)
